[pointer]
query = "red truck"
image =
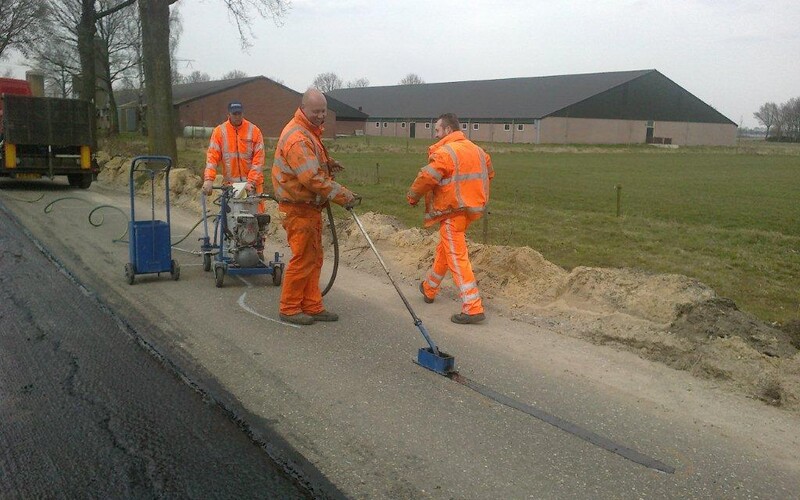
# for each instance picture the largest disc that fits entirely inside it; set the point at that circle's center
(45, 136)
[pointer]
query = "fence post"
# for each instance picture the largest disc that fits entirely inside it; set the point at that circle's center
(618, 187)
(377, 173)
(486, 227)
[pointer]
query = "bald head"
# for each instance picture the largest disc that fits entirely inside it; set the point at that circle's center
(314, 106)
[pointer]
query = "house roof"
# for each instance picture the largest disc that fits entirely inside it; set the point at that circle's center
(186, 92)
(509, 98)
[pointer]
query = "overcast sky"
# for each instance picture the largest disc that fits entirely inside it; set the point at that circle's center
(733, 54)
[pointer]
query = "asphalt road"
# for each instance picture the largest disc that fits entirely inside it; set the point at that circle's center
(88, 411)
(347, 397)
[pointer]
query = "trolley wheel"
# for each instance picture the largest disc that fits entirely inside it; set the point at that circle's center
(129, 274)
(219, 276)
(206, 262)
(175, 270)
(277, 275)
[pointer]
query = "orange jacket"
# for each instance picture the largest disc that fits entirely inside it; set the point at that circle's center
(300, 171)
(456, 179)
(240, 150)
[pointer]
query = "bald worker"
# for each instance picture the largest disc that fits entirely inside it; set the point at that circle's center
(302, 177)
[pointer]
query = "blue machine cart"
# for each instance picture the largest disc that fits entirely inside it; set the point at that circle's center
(149, 244)
(237, 247)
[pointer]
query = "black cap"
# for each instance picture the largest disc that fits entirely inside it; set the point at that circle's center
(235, 107)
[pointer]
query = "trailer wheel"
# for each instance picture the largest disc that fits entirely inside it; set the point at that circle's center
(277, 275)
(175, 270)
(219, 276)
(206, 262)
(82, 181)
(129, 275)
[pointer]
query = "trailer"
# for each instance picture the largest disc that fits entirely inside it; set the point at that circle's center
(45, 136)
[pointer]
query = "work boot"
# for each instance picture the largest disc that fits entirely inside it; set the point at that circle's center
(298, 319)
(467, 319)
(325, 316)
(427, 299)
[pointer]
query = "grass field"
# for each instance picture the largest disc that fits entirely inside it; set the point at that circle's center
(729, 217)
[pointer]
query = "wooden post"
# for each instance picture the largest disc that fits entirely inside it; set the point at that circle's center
(618, 188)
(377, 173)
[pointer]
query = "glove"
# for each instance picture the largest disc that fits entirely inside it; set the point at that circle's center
(354, 202)
(207, 187)
(334, 166)
(412, 201)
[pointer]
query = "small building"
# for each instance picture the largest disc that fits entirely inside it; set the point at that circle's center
(268, 104)
(625, 107)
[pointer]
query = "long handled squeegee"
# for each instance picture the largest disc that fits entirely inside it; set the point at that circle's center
(428, 357)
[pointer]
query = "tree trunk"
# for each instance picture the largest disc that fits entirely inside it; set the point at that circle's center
(154, 15)
(86, 32)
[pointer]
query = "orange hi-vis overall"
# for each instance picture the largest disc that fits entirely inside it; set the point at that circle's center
(240, 151)
(303, 187)
(455, 184)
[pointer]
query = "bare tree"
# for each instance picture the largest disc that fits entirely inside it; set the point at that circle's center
(357, 83)
(234, 74)
(790, 118)
(412, 79)
(20, 22)
(240, 12)
(767, 115)
(197, 76)
(326, 82)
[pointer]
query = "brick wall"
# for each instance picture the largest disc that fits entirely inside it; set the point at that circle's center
(267, 104)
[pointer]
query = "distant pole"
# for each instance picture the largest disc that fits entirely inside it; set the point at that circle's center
(377, 173)
(618, 188)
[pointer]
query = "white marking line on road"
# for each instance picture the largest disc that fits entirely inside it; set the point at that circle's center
(251, 311)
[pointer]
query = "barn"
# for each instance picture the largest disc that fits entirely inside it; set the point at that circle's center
(268, 104)
(624, 107)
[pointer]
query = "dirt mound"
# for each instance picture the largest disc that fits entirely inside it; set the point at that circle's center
(654, 297)
(720, 318)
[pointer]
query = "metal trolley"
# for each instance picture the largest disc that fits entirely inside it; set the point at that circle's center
(149, 244)
(237, 245)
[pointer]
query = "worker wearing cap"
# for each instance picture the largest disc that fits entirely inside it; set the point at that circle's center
(238, 146)
(455, 184)
(302, 177)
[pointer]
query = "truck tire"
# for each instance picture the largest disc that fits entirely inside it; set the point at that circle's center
(82, 181)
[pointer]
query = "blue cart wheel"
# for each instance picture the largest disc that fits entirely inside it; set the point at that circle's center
(129, 274)
(206, 262)
(175, 270)
(219, 276)
(277, 275)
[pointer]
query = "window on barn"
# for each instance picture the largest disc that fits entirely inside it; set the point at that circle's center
(506, 126)
(463, 126)
(402, 124)
(475, 126)
(378, 124)
(385, 124)
(427, 125)
(520, 127)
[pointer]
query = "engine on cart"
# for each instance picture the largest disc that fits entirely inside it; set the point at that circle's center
(246, 229)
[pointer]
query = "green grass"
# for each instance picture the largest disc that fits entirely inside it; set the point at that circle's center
(729, 217)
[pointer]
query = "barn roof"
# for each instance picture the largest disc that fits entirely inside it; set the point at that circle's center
(186, 92)
(508, 99)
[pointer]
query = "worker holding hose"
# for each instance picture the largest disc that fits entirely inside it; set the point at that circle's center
(455, 184)
(302, 177)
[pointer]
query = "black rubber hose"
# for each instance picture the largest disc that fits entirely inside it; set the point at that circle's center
(335, 251)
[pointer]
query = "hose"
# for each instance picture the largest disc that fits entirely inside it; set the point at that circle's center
(335, 240)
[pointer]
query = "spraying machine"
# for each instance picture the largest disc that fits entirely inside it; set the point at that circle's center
(237, 247)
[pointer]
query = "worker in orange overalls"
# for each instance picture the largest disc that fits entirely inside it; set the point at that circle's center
(455, 184)
(238, 146)
(302, 177)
